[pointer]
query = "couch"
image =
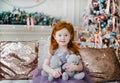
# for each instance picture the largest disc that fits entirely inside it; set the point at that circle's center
(97, 61)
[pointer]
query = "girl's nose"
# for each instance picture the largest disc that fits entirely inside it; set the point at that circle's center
(63, 37)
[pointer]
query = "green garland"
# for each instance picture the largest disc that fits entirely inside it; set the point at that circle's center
(18, 17)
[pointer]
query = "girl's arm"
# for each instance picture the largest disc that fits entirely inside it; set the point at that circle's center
(46, 67)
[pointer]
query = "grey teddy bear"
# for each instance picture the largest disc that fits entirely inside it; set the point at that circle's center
(55, 63)
(74, 60)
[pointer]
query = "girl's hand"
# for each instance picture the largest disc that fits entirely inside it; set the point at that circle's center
(56, 74)
(70, 67)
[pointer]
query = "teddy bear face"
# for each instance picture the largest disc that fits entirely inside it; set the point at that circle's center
(55, 62)
(73, 59)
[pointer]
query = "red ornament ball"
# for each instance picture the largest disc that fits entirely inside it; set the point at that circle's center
(103, 17)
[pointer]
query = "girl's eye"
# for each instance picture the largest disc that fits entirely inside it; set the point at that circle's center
(66, 35)
(59, 35)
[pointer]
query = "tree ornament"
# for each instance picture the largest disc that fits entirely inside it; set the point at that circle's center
(103, 17)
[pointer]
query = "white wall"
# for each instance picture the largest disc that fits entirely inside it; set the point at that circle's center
(69, 10)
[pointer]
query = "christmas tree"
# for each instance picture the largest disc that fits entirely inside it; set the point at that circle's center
(100, 27)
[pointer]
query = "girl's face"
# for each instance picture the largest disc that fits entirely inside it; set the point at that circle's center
(62, 37)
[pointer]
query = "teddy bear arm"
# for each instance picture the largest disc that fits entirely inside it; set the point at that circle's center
(50, 77)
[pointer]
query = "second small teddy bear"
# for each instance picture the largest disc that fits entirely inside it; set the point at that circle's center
(74, 60)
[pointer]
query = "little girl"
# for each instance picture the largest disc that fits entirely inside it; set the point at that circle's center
(61, 44)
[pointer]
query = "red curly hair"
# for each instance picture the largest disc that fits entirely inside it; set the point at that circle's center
(71, 45)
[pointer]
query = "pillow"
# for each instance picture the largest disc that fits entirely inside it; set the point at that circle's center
(18, 59)
(101, 64)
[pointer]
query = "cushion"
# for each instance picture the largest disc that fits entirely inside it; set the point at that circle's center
(18, 59)
(101, 64)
